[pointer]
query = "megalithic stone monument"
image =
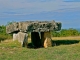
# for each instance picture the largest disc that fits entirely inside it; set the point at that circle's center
(19, 29)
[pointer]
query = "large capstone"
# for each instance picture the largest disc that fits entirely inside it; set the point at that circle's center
(33, 26)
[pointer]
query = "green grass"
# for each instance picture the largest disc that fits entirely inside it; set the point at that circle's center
(10, 50)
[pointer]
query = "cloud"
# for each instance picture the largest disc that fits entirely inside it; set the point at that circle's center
(18, 10)
(39, 0)
(36, 6)
(13, 4)
(71, 0)
(59, 10)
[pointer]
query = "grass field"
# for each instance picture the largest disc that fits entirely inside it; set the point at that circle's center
(65, 48)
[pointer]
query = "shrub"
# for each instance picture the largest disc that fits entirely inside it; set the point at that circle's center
(3, 34)
(65, 33)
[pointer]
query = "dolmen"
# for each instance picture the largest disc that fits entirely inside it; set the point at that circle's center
(40, 32)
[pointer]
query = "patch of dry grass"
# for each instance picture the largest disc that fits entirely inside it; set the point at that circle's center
(67, 38)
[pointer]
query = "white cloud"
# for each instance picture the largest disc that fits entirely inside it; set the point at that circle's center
(72, 0)
(36, 6)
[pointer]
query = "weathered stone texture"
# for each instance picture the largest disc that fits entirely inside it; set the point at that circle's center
(12, 28)
(15, 36)
(21, 37)
(33, 26)
(46, 39)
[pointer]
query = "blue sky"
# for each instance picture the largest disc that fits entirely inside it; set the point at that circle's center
(65, 11)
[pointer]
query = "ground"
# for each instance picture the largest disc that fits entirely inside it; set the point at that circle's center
(65, 48)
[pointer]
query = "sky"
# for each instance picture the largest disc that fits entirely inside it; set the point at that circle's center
(65, 11)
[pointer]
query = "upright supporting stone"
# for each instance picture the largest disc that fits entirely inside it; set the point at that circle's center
(46, 39)
(15, 36)
(23, 38)
(42, 39)
(35, 38)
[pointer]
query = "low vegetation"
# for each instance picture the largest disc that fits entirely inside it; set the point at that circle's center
(65, 33)
(10, 50)
(3, 34)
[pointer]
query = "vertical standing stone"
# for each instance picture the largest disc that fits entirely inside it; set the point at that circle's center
(35, 38)
(46, 39)
(23, 38)
(42, 39)
(15, 36)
